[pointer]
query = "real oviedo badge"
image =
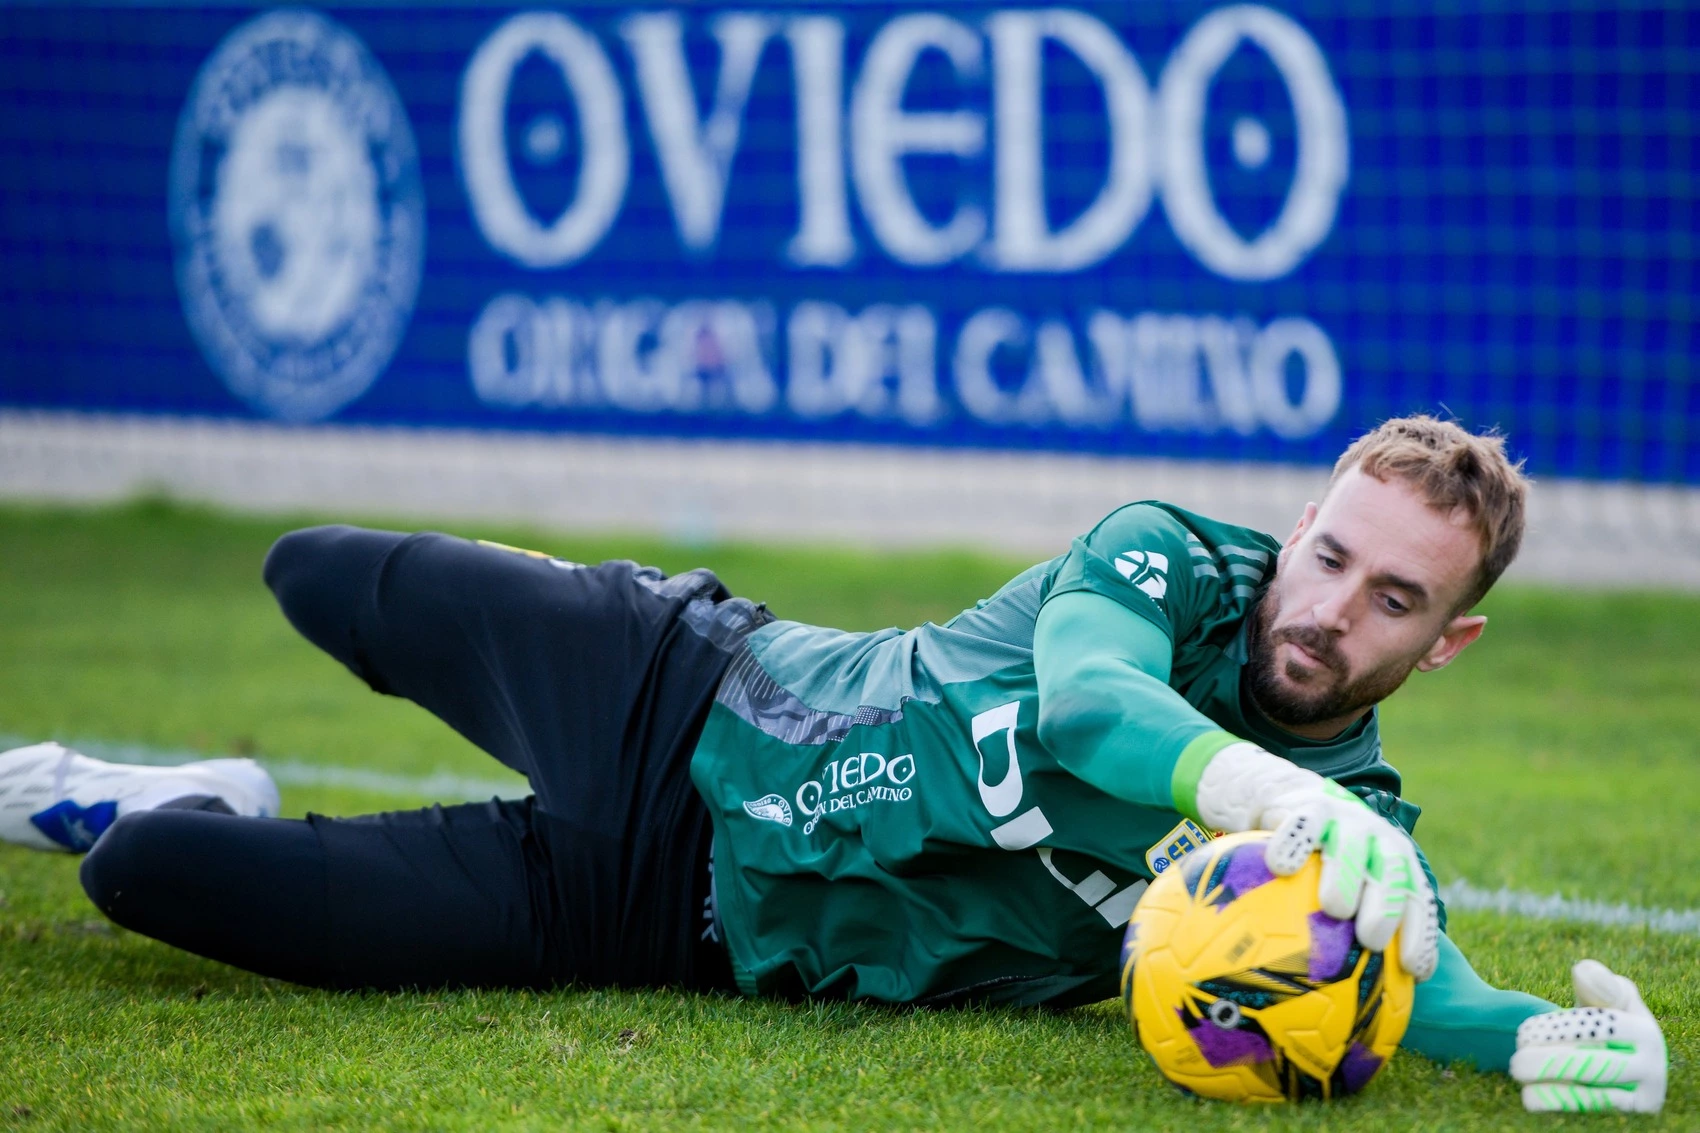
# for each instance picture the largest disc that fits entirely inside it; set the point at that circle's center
(297, 214)
(1175, 845)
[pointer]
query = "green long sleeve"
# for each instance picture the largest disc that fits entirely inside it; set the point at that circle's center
(1106, 711)
(1458, 1017)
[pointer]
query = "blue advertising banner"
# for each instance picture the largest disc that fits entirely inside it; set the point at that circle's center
(1229, 232)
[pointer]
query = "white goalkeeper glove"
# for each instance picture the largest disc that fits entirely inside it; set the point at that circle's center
(1606, 1053)
(1370, 870)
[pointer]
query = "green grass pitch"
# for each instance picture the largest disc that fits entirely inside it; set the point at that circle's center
(1557, 756)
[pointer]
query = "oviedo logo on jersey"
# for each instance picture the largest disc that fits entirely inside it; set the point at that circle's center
(1186, 837)
(297, 213)
(845, 784)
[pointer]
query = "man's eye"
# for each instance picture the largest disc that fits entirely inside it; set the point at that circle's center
(1329, 561)
(1394, 606)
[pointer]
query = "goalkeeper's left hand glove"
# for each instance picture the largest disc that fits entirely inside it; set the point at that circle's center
(1606, 1053)
(1371, 874)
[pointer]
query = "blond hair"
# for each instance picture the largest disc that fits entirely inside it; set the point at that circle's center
(1455, 471)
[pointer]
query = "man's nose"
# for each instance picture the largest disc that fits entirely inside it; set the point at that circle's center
(1332, 613)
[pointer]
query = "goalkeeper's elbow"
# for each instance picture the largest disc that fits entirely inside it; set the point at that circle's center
(1074, 720)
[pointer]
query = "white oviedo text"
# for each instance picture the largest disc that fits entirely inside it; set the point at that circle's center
(854, 134)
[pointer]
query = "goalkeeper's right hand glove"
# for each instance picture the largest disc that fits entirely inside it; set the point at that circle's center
(1606, 1053)
(1370, 870)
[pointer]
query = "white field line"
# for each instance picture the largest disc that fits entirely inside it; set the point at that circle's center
(1459, 895)
(439, 785)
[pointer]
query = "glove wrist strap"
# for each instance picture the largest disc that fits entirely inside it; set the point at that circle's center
(1195, 757)
(1239, 784)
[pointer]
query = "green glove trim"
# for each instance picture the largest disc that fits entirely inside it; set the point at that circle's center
(1189, 769)
(1335, 791)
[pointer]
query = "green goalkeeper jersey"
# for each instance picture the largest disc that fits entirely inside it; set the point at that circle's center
(888, 823)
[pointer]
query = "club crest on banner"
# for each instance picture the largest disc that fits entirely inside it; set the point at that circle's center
(297, 214)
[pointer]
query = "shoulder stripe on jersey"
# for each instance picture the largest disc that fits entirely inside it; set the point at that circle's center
(750, 692)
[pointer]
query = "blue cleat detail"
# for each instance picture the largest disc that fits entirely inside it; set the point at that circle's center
(75, 827)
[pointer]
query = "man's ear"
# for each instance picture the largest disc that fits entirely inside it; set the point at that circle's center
(1459, 632)
(1299, 528)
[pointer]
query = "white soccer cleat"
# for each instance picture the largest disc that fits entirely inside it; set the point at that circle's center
(1605, 1054)
(53, 798)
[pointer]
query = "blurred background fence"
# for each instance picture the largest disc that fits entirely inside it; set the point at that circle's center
(857, 272)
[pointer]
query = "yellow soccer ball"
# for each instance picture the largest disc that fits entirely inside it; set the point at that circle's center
(1240, 987)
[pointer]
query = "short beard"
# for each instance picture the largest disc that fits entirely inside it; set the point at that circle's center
(1293, 704)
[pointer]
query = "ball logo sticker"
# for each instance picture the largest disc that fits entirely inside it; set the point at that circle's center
(297, 214)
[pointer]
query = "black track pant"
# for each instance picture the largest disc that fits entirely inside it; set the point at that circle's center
(593, 682)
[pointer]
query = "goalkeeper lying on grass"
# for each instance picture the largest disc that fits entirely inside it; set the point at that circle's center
(966, 812)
